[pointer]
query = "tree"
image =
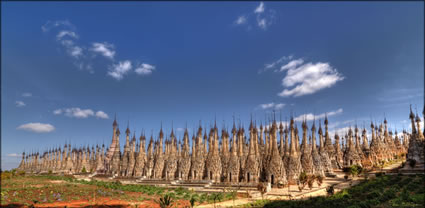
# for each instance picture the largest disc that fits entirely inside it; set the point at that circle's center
(234, 196)
(192, 200)
(330, 190)
(302, 180)
(216, 197)
(319, 180)
(310, 181)
(262, 189)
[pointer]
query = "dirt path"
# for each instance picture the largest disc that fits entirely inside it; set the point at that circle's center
(282, 194)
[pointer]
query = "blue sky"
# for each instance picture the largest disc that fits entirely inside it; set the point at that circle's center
(69, 67)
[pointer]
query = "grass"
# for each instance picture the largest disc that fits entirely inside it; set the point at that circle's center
(30, 189)
(384, 191)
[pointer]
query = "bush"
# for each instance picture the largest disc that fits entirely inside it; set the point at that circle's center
(355, 170)
(319, 180)
(84, 170)
(20, 173)
(193, 199)
(302, 180)
(310, 181)
(330, 190)
(6, 175)
(379, 174)
(165, 201)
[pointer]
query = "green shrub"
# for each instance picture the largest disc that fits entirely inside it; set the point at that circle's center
(165, 201)
(193, 199)
(417, 198)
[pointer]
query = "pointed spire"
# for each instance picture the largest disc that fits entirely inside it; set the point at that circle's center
(115, 124)
(127, 131)
(234, 125)
(215, 122)
(172, 129)
(161, 133)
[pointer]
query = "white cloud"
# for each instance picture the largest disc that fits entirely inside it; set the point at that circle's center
(74, 112)
(180, 129)
(292, 64)
(57, 112)
(20, 104)
(264, 18)
(51, 24)
(260, 8)
(340, 131)
(14, 155)
(272, 105)
(68, 33)
(26, 94)
(267, 105)
(105, 49)
(66, 37)
(308, 78)
(144, 69)
(241, 20)
(75, 51)
(262, 23)
(37, 127)
(310, 116)
(101, 114)
(84, 55)
(80, 113)
(277, 62)
(118, 71)
(279, 106)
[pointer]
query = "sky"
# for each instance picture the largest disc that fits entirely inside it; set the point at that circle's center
(69, 67)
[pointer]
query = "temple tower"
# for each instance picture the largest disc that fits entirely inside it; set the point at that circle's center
(306, 157)
(275, 172)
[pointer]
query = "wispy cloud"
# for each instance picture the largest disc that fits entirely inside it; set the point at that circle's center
(260, 8)
(101, 114)
(275, 63)
(26, 94)
(263, 17)
(272, 105)
(311, 116)
(14, 155)
(304, 78)
(67, 37)
(83, 56)
(37, 127)
(80, 113)
(105, 49)
(241, 20)
(400, 95)
(145, 69)
(117, 71)
(340, 131)
(60, 23)
(292, 64)
(20, 103)
(63, 33)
